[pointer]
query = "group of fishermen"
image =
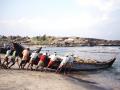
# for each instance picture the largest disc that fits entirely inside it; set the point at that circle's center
(42, 61)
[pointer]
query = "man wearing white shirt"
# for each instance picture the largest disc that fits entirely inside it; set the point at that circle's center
(70, 62)
(63, 64)
(33, 58)
(53, 58)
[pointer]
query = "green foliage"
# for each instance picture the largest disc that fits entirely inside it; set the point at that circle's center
(43, 40)
(44, 37)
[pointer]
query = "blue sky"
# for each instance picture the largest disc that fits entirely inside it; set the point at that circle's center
(83, 18)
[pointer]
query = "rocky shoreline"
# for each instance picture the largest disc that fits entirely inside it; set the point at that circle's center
(58, 41)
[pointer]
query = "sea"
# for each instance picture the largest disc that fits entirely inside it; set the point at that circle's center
(106, 79)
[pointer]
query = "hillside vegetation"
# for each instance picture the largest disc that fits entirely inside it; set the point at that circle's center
(58, 41)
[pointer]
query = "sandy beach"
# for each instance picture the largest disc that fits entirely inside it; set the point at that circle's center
(16, 79)
(35, 80)
(30, 80)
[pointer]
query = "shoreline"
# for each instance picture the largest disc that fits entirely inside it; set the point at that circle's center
(68, 46)
(15, 79)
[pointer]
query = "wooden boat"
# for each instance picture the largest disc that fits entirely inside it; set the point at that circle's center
(92, 66)
(77, 66)
(88, 66)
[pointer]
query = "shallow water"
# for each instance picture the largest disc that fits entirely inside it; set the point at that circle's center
(108, 78)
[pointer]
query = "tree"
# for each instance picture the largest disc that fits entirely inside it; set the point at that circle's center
(4, 37)
(44, 37)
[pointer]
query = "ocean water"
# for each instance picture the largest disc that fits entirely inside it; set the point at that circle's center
(107, 78)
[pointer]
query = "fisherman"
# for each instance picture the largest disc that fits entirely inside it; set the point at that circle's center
(53, 58)
(8, 52)
(70, 62)
(41, 63)
(25, 58)
(63, 64)
(47, 59)
(0, 61)
(13, 58)
(33, 59)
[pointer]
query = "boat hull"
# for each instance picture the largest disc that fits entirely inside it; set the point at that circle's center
(93, 66)
(77, 66)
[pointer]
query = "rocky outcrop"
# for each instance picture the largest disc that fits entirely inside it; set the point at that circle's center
(77, 41)
(59, 41)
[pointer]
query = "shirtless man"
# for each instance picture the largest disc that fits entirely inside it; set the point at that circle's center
(25, 58)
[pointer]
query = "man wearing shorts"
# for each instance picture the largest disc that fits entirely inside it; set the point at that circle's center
(42, 59)
(26, 53)
(33, 58)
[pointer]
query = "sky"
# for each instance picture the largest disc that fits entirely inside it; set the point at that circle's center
(82, 18)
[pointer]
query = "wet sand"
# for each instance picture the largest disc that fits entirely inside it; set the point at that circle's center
(36, 80)
(30, 80)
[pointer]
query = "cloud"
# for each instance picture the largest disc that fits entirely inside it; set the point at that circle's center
(87, 19)
(52, 23)
(94, 16)
(104, 7)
